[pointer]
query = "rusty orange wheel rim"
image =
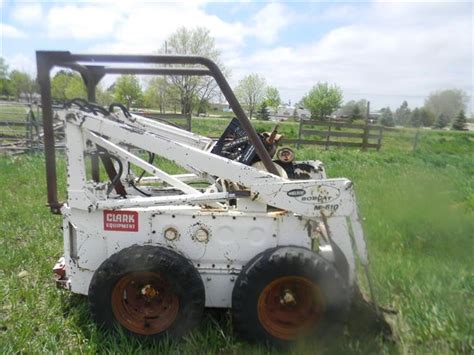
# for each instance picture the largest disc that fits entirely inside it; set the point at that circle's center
(144, 303)
(290, 307)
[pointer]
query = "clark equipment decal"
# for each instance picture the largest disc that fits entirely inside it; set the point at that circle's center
(121, 221)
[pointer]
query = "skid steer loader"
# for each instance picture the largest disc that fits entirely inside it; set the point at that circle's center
(246, 227)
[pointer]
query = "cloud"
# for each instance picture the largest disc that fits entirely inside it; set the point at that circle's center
(269, 21)
(143, 27)
(22, 62)
(9, 31)
(382, 51)
(28, 13)
(82, 22)
(146, 28)
(393, 52)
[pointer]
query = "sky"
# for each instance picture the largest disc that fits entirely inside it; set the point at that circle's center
(385, 52)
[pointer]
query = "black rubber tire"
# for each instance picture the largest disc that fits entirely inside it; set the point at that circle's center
(340, 263)
(183, 277)
(280, 262)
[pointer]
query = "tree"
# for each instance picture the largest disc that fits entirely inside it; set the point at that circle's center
(272, 97)
(447, 102)
(349, 108)
(356, 113)
(21, 83)
(251, 92)
(59, 84)
(3, 77)
(295, 116)
(460, 123)
(262, 113)
(427, 117)
(402, 114)
(415, 118)
(193, 90)
(161, 94)
(127, 90)
(104, 97)
(76, 88)
(441, 122)
(173, 98)
(67, 85)
(155, 94)
(386, 117)
(322, 100)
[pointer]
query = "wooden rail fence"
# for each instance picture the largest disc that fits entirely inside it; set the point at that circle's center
(181, 120)
(338, 134)
(24, 132)
(27, 134)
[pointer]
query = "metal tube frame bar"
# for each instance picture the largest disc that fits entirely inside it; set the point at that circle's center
(92, 74)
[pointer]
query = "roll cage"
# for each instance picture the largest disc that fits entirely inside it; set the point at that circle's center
(93, 68)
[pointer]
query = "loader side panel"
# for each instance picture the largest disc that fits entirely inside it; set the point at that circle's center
(218, 244)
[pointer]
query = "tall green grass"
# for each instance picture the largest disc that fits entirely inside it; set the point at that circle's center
(419, 222)
(418, 215)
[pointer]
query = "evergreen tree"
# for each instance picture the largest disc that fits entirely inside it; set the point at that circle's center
(356, 113)
(386, 119)
(427, 117)
(262, 113)
(402, 114)
(416, 118)
(441, 122)
(460, 123)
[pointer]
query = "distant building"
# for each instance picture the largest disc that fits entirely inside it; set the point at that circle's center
(284, 112)
(219, 107)
(29, 98)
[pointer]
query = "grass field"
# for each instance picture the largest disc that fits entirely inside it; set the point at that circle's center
(418, 215)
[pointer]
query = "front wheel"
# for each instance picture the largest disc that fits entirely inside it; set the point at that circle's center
(147, 291)
(288, 293)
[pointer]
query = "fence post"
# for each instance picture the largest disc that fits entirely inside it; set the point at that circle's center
(37, 128)
(299, 133)
(379, 141)
(365, 139)
(328, 135)
(29, 131)
(417, 137)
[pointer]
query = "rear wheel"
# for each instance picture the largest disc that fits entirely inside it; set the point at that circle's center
(288, 293)
(148, 291)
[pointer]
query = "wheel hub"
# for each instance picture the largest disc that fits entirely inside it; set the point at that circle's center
(144, 303)
(149, 291)
(288, 297)
(290, 307)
